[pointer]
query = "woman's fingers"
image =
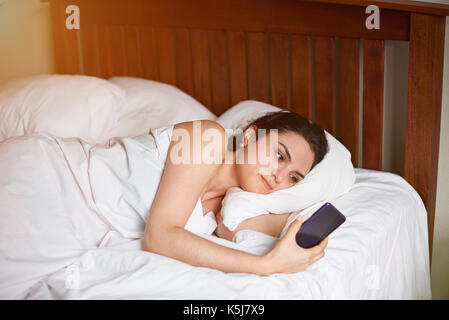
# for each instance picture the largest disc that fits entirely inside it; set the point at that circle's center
(294, 227)
(323, 244)
(319, 247)
(317, 257)
(287, 256)
(317, 252)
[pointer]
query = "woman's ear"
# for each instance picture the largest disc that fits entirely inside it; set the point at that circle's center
(249, 136)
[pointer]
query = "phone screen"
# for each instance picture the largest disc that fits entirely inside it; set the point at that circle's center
(325, 220)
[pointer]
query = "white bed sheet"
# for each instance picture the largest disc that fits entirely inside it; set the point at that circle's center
(380, 252)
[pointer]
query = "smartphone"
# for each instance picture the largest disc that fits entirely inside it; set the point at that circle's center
(324, 221)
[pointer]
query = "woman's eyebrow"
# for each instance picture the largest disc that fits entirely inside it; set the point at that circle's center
(286, 151)
(290, 158)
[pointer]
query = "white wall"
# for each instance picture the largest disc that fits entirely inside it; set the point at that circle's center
(26, 43)
(440, 262)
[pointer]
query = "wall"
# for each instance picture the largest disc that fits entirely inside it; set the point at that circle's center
(26, 43)
(440, 264)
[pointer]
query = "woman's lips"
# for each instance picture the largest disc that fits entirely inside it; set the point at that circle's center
(267, 185)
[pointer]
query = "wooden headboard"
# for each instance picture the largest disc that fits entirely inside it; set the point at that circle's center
(314, 57)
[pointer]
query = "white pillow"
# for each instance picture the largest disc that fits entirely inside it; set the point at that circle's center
(62, 105)
(329, 179)
(153, 104)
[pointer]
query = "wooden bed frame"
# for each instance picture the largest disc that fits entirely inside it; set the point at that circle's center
(300, 55)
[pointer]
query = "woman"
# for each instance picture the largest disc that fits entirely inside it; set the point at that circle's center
(299, 147)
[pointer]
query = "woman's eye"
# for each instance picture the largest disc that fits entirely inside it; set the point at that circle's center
(295, 179)
(280, 157)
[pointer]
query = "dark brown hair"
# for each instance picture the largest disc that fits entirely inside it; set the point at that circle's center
(286, 121)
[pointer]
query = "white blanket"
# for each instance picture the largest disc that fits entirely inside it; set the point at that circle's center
(54, 244)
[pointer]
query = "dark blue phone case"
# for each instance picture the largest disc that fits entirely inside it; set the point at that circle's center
(325, 220)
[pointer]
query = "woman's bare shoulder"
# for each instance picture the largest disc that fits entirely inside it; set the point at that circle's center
(200, 126)
(186, 174)
(205, 140)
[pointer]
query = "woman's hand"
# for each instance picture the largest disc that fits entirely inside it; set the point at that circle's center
(221, 231)
(287, 257)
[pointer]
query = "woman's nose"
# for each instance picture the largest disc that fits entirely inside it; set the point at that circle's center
(277, 181)
(280, 176)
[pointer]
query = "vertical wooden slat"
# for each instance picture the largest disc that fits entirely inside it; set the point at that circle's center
(301, 75)
(280, 71)
(67, 59)
(91, 59)
(373, 93)
(348, 126)
(166, 55)
(132, 46)
(200, 60)
(221, 99)
(325, 110)
(147, 40)
(238, 69)
(118, 51)
(257, 71)
(183, 60)
(424, 109)
(104, 52)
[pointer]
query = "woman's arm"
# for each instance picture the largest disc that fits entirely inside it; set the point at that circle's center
(271, 224)
(180, 187)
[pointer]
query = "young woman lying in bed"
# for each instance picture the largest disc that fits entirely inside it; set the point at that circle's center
(298, 146)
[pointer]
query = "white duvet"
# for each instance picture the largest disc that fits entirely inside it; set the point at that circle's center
(54, 244)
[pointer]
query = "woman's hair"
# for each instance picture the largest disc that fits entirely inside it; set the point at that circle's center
(286, 121)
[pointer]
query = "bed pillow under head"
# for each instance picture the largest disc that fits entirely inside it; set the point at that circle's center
(329, 179)
(62, 105)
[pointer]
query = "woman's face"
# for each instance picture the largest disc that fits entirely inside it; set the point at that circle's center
(288, 162)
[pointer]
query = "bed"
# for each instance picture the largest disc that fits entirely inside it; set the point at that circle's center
(224, 52)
